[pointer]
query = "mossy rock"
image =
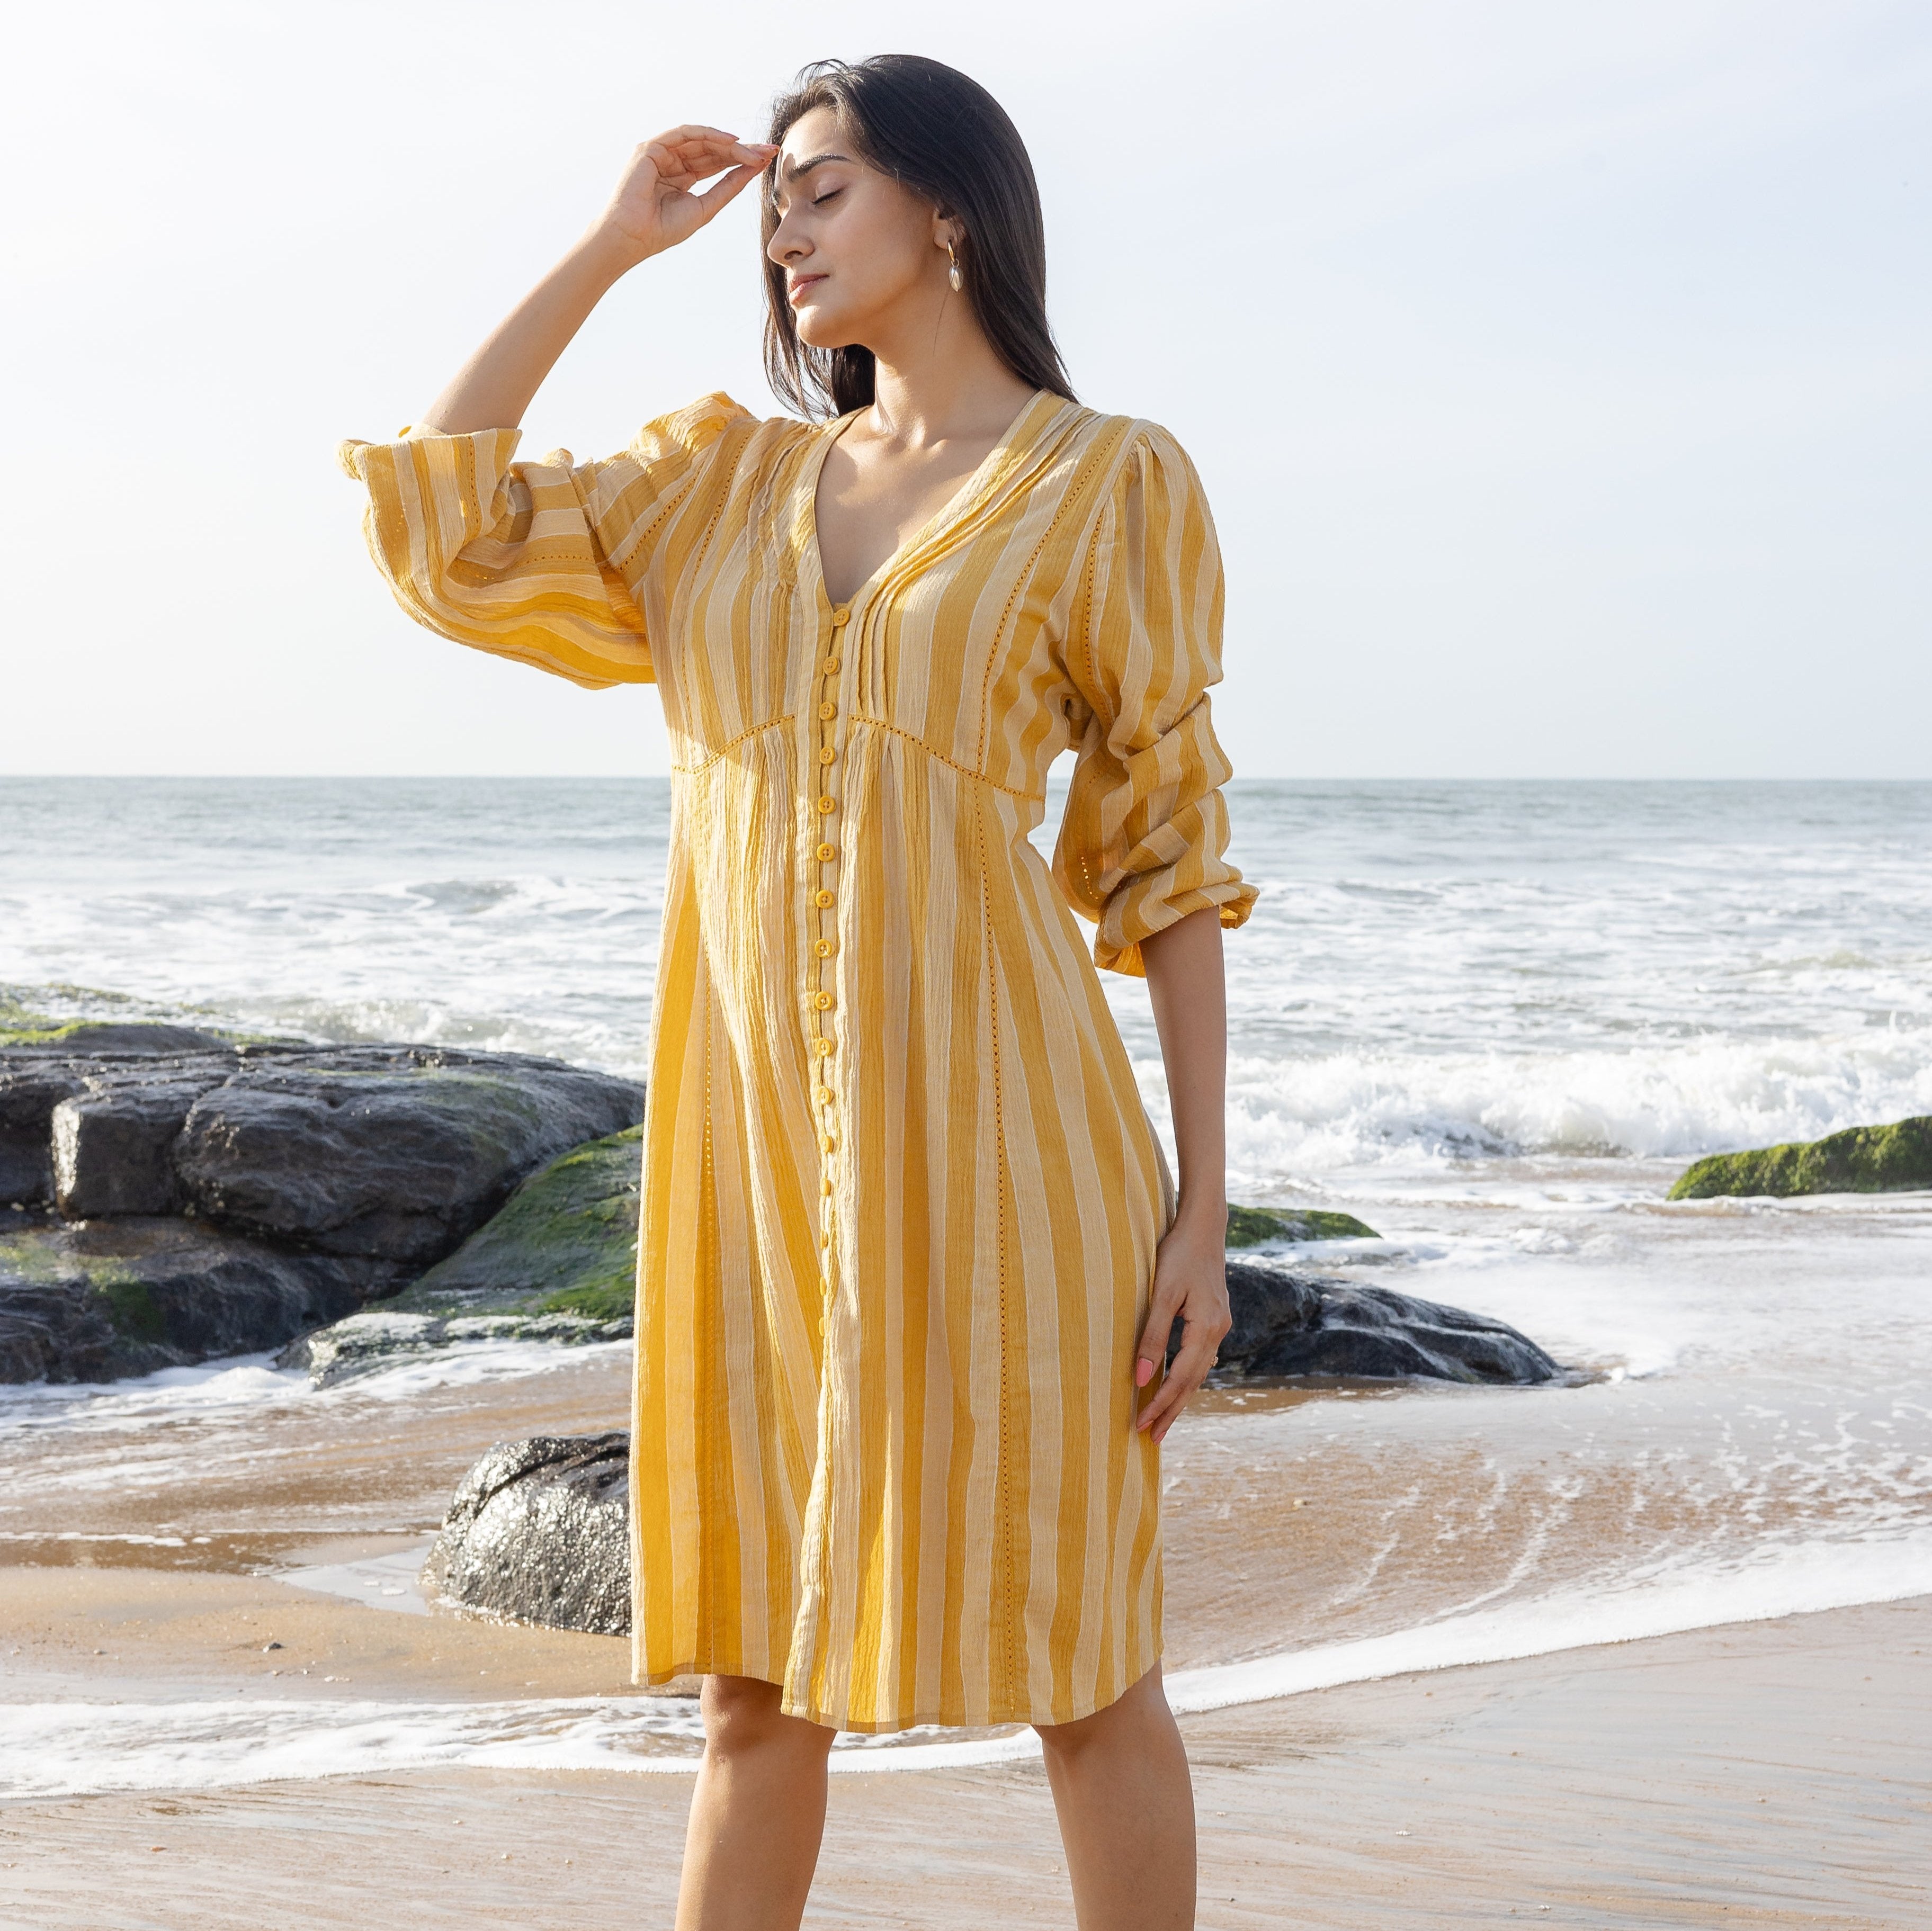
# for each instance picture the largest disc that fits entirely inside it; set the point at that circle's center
(95, 1300)
(1861, 1159)
(558, 1263)
(565, 1242)
(1251, 1226)
(120, 1037)
(19, 1022)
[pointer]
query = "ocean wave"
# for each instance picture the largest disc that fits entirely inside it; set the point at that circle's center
(244, 1387)
(72, 1749)
(1355, 1109)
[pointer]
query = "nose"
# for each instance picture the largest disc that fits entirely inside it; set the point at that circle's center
(786, 244)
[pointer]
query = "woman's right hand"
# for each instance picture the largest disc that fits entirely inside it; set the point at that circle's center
(657, 204)
(655, 207)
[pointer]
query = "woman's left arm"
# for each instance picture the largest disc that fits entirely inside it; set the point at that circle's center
(1189, 993)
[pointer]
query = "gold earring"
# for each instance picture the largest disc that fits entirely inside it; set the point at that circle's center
(954, 278)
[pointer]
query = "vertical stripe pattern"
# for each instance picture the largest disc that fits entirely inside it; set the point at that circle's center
(901, 1197)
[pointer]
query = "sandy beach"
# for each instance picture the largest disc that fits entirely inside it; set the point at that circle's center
(1758, 1774)
(1645, 1648)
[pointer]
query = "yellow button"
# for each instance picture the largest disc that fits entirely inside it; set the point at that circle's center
(825, 1186)
(827, 1144)
(823, 1094)
(841, 617)
(827, 755)
(830, 667)
(823, 1047)
(822, 1000)
(825, 1241)
(825, 897)
(825, 948)
(828, 711)
(826, 853)
(828, 804)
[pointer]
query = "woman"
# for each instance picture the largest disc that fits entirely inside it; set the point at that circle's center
(909, 1257)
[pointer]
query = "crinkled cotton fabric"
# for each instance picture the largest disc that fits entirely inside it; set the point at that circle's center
(901, 1195)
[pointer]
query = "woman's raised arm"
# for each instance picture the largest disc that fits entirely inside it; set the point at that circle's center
(657, 205)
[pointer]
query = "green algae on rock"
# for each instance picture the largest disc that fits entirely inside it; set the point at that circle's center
(1250, 1226)
(1861, 1159)
(97, 1301)
(158, 1036)
(565, 1242)
(558, 1263)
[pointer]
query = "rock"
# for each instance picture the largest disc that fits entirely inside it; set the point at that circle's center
(98, 1299)
(539, 1532)
(113, 1145)
(559, 1263)
(400, 1159)
(501, 1286)
(395, 1152)
(120, 1037)
(1287, 1323)
(90, 1063)
(565, 1242)
(29, 1091)
(1250, 1226)
(1861, 1159)
(1269, 1304)
(311, 1179)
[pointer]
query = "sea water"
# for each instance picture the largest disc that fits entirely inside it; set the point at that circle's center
(1494, 1021)
(1434, 974)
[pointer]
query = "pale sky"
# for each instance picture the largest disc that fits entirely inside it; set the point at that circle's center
(1558, 373)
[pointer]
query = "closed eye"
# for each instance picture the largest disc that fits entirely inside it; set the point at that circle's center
(820, 200)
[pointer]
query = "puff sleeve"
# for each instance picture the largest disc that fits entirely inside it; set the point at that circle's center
(1141, 846)
(540, 562)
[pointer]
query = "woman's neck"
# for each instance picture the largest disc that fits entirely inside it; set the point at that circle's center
(942, 382)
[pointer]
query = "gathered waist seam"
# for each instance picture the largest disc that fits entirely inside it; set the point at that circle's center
(964, 771)
(725, 750)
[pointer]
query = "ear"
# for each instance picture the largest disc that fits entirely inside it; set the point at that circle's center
(947, 229)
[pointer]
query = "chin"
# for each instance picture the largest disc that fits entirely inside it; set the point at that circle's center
(823, 331)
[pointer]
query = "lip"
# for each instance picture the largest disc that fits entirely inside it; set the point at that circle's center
(799, 286)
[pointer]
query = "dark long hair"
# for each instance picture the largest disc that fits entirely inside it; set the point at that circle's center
(945, 138)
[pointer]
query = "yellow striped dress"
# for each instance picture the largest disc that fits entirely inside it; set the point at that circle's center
(901, 1196)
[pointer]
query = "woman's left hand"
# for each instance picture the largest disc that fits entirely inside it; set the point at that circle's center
(1190, 1281)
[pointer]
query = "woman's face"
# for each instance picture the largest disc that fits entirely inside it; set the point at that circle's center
(859, 251)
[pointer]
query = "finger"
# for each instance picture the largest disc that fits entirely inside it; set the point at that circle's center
(736, 182)
(689, 154)
(1185, 1375)
(703, 151)
(1169, 1407)
(696, 130)
(1152, 1350)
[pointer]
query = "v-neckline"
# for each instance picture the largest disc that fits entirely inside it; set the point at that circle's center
(971, 488)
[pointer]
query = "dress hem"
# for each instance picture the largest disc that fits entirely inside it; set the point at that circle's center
(892, 1724)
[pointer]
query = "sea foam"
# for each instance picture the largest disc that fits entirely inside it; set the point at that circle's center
(69, 1749)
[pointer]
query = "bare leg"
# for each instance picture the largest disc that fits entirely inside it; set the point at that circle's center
(1126, 1804)
(756, 1815)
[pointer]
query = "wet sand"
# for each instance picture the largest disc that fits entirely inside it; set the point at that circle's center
(1754, 1774)
(1292, 1516)
(1760, 1775)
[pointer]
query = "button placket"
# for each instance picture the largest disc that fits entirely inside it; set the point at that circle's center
(822, 990)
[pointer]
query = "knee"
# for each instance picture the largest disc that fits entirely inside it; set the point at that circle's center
(1067, 1743)
(1127, 1720)
(742, 1714)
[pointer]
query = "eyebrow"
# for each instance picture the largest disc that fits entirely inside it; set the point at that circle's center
(795, 169)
